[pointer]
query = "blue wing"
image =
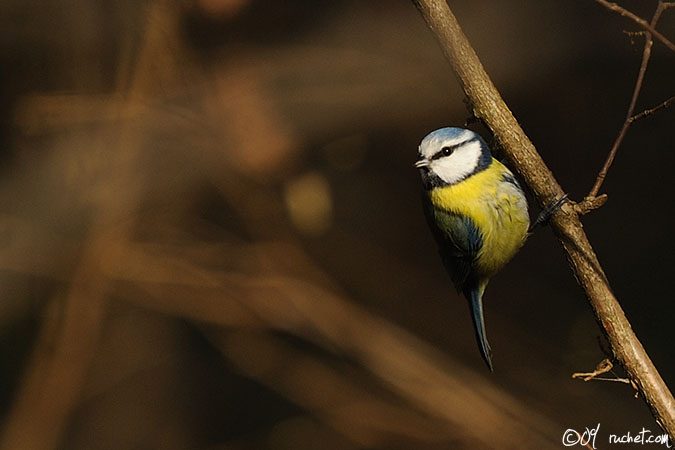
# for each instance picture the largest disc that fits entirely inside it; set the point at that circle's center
(459, 242)
(458, 239)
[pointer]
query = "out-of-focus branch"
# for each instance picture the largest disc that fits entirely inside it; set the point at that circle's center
(639, 20)
(646, 54)
(50, 390)
(242, 310)
(66, 346)
(356, 412)
(488, 105)
(161, 279)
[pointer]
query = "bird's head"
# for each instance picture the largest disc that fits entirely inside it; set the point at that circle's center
(449, 155)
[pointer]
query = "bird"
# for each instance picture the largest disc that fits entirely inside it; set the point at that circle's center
(477, 213)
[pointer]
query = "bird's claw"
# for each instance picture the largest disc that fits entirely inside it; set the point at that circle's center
(547, 212)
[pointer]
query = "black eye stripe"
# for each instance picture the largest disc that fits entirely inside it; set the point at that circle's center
(445, 151)
(450, 148)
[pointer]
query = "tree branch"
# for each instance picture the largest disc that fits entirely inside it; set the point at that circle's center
(646, 54)
(648, 112)
(640, 21)
(488, 105)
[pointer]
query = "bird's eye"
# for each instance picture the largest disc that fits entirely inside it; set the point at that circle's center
(446, 151)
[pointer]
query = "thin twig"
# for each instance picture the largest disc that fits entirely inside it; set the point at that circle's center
(590, 204)
(640, 21)
(646, 54)
(489, 106)
(603, 367)
(649, 112)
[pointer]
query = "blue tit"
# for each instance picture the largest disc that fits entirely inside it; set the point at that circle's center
(477, 213)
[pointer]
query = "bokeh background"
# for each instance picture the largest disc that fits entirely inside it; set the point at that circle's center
(211, 234)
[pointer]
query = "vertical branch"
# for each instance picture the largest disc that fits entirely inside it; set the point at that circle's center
(488, 105)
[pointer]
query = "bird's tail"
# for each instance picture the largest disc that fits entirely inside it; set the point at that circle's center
(475, 296)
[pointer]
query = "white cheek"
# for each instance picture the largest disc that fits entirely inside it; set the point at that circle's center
(457, 166)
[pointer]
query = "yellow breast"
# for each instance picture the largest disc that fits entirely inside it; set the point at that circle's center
(498, 208)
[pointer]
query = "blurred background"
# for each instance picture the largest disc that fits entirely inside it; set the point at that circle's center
(211, 235)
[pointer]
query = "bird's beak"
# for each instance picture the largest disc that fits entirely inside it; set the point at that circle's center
(422, 163)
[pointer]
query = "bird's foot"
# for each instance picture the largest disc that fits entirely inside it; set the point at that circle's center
(547, 212)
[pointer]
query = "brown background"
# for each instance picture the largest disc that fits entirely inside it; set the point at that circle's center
(211, 233)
